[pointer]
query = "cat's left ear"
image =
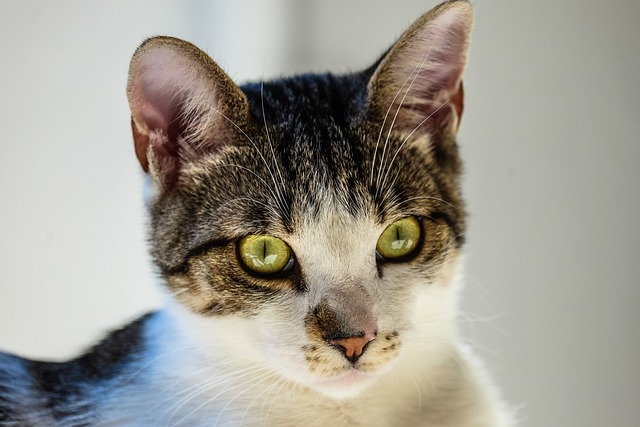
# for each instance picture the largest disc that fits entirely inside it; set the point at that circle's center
(183, 106)
(417, 85)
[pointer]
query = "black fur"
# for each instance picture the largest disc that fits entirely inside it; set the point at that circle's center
(66, 392)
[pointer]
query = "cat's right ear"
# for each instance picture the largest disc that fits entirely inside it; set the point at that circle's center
(417, 85)
(183, 105)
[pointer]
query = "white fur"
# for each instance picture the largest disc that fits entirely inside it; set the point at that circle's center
(228, 382)
(233, 371)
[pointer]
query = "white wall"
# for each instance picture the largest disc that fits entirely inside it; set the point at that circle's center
(550, 138)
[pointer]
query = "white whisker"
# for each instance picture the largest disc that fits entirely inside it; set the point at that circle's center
(282, 382)
(273, 155)
(279, 200)
(246, 169)
(409, 137)
(231, 383)
(415, 74)
(384, 121)
(263, 378)
(436, 199)
(261, 203)
(411, 77)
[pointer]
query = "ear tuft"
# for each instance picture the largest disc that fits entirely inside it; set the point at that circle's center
(418, 83)
(181, 106)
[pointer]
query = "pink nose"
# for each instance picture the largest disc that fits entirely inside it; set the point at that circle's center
(353, 347)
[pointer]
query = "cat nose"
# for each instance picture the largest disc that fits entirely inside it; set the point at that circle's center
(353, 347)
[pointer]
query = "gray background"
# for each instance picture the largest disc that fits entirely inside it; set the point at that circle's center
(550, 139)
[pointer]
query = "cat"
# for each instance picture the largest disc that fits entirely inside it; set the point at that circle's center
(309, 233)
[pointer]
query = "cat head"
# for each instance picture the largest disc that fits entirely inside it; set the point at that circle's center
(320, 212)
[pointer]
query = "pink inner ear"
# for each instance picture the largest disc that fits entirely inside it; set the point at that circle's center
(155, 122)
(161, 86)
(180, 103)
(156, 111)
(160, 90)
(426, 70)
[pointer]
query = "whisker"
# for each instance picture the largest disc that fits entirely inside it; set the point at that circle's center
(384, 121)
(282, 381)
(156, 360)
(279, 200)
(386, 116)
(255, 381)
(246, 169)
(415, 74)
(259, 395)
(429, 352)
(273, 155)
(435, 199)
(410, 372)
(410, 135)
(251, 199)
(211, 384)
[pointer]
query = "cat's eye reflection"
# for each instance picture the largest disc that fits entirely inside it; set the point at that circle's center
(265, 255)
(399, 239)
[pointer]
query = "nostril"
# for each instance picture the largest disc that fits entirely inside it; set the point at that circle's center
(354, 346)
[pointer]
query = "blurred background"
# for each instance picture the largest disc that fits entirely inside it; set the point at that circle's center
(549, 136)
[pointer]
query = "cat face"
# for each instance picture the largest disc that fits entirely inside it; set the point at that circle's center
(321, 213)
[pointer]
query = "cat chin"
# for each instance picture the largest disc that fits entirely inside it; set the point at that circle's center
(347, 385)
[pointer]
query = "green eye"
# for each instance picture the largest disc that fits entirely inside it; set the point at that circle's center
(265, 254)
(399, 239)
